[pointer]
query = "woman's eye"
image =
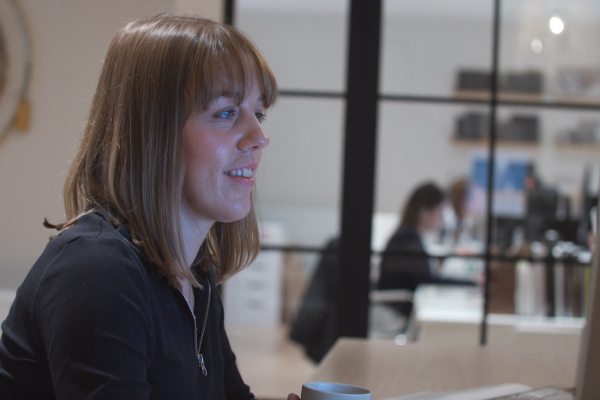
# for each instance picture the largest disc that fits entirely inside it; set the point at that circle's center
(225, 114)
(261, 117)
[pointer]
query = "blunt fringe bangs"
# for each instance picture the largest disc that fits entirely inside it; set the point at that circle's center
(130, 163)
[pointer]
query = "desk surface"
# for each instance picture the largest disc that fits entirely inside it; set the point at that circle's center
(390, 370)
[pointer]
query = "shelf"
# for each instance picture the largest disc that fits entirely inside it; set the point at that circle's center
(585, 101)
(580, 147)
(485, 143)
(529, 98)
(499, 143)
(484, 95)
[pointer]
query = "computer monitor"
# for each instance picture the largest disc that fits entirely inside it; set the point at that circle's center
(541, 210)
(588, 370)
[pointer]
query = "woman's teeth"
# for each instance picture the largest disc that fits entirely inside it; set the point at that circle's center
(245, 172)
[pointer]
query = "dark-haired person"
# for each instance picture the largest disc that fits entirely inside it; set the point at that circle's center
(122, 303)
(422, 214)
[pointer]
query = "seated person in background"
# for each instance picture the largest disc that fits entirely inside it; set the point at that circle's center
(422, 214)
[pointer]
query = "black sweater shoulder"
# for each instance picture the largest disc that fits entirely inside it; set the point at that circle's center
(94, 320)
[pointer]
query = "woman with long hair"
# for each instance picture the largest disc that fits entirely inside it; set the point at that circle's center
(405, 263)
(122, 303)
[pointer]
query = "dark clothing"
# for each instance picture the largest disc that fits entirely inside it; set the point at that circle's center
(314, 325)
(408, 271)
(95, 320)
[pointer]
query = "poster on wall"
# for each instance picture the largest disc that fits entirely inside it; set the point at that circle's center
(14, 62)
(510, 171)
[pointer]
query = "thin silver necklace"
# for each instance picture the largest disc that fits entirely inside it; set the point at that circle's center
(190, 295)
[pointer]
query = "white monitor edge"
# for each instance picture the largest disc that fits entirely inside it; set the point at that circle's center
(588, 370)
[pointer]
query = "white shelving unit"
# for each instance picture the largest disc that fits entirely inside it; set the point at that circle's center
(254, 296)
(464, 305)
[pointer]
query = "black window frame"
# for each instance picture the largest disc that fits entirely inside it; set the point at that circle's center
(360, 138)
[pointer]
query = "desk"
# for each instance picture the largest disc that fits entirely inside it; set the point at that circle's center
(453, 314)
(390, 370)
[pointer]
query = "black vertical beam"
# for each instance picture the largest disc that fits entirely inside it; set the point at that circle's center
(229, 11)
(359, 167)
(550, 301)
(491, 164)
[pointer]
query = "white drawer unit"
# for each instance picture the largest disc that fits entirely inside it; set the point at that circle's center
(254, 296)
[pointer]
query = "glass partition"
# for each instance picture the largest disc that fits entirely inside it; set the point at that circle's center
(300, 178)
(547, 169)
(422, 232)
(424, 239)
(546, 184)
(298, 194)
(435, 111)
(298, 185)
(435, 126)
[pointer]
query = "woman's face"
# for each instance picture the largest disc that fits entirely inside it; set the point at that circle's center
(431, 219)
(223, 147)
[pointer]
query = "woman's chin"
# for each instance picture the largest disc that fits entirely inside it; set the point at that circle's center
(235, 215)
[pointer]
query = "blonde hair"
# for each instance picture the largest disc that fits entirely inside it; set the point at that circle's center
(130, 163)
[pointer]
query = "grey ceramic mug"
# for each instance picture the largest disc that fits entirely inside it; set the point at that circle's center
(333, 391)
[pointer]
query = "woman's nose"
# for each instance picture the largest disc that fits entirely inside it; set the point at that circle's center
(254, 137)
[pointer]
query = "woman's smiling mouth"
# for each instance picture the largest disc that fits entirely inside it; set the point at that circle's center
(245, 172)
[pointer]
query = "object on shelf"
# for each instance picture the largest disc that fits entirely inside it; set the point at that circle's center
(530, 284)
(571, 280)
(521, 128)
(526, 82)
(501, 287)
(475, 126)
(586, 132)
(529, 82)
(583, 82)
(473, 80)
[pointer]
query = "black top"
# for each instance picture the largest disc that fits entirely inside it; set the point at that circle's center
(409, 270)
(94, 320)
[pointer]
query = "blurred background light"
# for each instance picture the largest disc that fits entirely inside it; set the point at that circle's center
(536, 46)
(556, 25)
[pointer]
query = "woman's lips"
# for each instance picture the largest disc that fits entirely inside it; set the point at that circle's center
(242, 180)
(243, 175)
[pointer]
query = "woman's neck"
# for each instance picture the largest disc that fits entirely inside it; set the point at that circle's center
(193, 233)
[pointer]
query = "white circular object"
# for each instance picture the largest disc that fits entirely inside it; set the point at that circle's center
(333, 391)
(401, 340)
(556, 25)
(536, 46)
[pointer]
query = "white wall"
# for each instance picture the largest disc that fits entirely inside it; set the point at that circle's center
(213, 9)
(69, 39)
